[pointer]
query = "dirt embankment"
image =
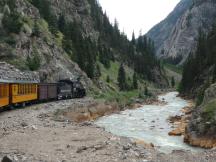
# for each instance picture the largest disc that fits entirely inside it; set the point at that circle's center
(180, 122)
(201, 129)
(180, 128)
(96, 109)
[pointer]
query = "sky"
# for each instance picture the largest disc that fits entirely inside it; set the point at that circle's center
(137, 15)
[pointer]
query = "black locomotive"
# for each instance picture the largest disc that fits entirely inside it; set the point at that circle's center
(70, 89)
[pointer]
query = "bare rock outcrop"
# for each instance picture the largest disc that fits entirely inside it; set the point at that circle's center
(9, 73)
(202, 126)
(176, 36)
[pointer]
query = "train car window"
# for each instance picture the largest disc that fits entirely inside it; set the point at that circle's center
(7, 90)
(30, 88)
(18, 89)
(21, 86)
(0, 91)
(24, 88)
(3, 90)
(27, 86)
(34, 88)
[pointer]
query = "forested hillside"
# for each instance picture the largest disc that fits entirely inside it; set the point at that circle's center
(199, 77)
(200, 69)
(48, 36)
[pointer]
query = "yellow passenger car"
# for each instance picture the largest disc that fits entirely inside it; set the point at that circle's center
(4, 95)
(23, 92)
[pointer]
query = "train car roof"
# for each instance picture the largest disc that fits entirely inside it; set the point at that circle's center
(19, 81)
(47, 83)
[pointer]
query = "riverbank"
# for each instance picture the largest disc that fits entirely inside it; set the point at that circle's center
(97, 108)
(180, 122)
(35, 134)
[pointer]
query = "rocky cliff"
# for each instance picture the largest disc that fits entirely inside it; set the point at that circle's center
(19, 48)
(176, 36)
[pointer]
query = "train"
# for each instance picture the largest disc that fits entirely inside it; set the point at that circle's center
(20, 93)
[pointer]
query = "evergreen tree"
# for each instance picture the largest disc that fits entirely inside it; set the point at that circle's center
(146, 92)
(98, 71)
(12, 22)
(133, 41)
(108, 79)
(122, 78)
(135, 83)
(34, 62)
(61, 23)
(173, 82)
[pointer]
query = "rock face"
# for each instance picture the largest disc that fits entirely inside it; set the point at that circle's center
(55, 64)
(175, 37)
(202, 127)
(9, 73)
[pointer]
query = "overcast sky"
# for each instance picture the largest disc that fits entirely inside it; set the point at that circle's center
(137, 14)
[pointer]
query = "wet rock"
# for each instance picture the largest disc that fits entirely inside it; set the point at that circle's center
(128, 147)
(99, 147)
(34, 127)
(178, 151)
(173, 119)
(86, 124)
(24, 124)
(7, 159)
(80, 149)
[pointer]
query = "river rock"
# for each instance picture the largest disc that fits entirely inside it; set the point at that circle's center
(7, 159)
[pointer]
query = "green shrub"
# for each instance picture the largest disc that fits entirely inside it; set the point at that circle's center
(34, 62)
(10, 40)
(12, 23)
(209, 111)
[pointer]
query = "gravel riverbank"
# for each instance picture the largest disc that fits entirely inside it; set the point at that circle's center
(42, 133)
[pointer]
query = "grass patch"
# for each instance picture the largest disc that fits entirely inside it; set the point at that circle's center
(209, 111)
(177, 69)
(122, 98)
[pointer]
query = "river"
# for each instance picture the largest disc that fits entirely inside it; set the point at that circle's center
(149, 123)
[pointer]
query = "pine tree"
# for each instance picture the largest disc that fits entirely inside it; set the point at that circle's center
(146, 92)
(61, 23)
(108, 79)
(214, 74)
(98, 71)
(173, 82)
(122, 78)
(133, 41)
(135, 83)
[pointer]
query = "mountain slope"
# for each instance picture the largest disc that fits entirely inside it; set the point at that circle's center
(70, 39)
(176, 36)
